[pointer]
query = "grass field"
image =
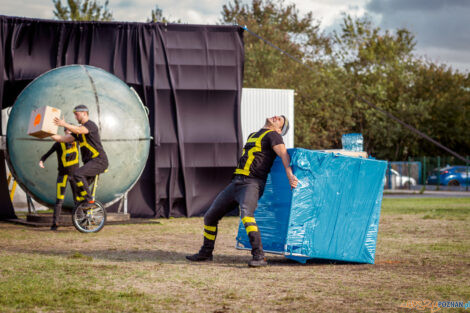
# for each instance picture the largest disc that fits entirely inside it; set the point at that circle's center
(423, 253)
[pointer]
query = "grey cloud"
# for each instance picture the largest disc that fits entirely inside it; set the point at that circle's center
(389, 6)
(436, 24)
(124, 4)
(440, 27)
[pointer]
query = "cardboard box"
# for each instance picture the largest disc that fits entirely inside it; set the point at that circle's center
(41, 123)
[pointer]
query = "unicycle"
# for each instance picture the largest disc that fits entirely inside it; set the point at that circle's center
(89, 218)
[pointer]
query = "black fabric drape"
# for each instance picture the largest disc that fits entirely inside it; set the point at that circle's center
(189, 76)
(6, 208)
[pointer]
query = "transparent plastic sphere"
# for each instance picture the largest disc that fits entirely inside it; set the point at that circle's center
(114, 107)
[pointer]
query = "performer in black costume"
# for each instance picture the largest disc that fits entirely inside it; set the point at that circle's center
(94, 157)
(67, 159)
(247, 187)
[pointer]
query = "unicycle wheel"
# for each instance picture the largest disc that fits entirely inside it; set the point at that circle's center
(89, 219)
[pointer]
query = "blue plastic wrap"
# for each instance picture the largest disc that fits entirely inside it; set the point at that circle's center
(332, 214)
(352, 142)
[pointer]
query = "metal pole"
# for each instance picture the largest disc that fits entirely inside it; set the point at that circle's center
(424, 172)
(120, 205)
(438, 172)
(466, 188)
(31, 207)
(400, 171)
(389, 175)
(409, 173)
(125, 203)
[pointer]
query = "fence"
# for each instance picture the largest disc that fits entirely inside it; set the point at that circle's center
(425, 172)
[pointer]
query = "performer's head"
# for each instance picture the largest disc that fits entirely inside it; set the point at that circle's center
(81, 113)
(280, 124)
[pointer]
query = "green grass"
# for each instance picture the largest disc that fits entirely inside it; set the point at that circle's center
(30, 281)
(141, 268)
(429, 208)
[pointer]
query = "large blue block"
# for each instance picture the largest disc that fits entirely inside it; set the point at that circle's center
(332, 214)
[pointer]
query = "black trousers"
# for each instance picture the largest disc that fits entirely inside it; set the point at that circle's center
(243, 192)
(62, 180)
(83, 176)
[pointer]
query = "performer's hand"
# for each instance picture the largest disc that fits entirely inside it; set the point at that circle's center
(41, 164)
(293, 181)
(59, 121)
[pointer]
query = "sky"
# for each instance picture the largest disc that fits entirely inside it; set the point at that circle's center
(440, 27)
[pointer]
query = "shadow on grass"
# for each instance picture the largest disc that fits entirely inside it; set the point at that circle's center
(160, 256)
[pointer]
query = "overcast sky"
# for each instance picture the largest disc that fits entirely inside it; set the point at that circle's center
(441, 26)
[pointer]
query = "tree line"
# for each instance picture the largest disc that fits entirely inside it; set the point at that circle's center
(359, 60)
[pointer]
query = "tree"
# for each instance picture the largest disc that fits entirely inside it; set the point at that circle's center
(360, 61)
(157, 16)
(76, 10)
(266, 67)
(280, 24)
(380, 67)
(447, 98)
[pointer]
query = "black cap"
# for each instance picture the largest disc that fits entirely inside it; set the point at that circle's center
(80, 108)
(285, 127)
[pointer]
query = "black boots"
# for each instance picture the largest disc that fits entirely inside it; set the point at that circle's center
(257, 262)
(204, 254)
(198, 257)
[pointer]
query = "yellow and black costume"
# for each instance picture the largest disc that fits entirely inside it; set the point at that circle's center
(94, 160)
(67, 158)
(246, 188)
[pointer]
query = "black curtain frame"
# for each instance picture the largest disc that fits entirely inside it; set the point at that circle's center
(189, 76)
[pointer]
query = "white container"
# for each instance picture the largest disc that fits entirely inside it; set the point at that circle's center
(257, 104)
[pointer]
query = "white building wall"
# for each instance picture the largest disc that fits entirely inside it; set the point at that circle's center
(258, 104)
(5, 113)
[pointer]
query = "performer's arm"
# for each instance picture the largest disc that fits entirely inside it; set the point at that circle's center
(65, 138)
(73, 128)
(281, 151)
(46, 155)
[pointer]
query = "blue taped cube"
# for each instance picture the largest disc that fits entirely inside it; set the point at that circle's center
(332, 214)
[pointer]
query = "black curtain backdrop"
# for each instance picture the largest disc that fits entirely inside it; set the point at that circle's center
(189, 76)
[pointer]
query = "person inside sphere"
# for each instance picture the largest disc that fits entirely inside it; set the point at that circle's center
(94, 157)
(247, 187)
